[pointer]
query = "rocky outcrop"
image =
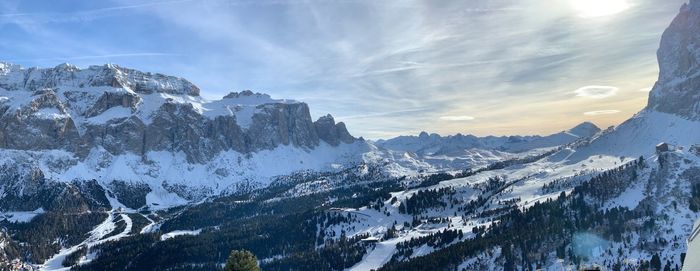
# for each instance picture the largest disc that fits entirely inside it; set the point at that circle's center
(331, 132)
(123, 111)
(677, 90)
(43, 123)
(25, 188)
(109, 100)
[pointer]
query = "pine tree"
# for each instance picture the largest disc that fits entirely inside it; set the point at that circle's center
(241, 260)
(655, 262)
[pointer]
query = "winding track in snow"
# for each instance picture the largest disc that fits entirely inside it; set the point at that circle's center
(96, 237)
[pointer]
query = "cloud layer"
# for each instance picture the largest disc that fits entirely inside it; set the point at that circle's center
(384, 67)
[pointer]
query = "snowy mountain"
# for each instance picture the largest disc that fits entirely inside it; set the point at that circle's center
(427, 144)
(124, 111)
(117, 125)
(466, 151)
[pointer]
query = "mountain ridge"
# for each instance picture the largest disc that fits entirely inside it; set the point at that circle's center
(125, 110)
(424, 142)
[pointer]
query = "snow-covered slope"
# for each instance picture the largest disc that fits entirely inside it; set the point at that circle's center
(636, 136)
(660, 186)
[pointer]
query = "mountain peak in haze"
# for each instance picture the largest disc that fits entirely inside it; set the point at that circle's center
(434, 144)
(585, 129)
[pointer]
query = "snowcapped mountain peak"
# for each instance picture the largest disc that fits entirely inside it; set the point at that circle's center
(247, 97)
(66, 66)
(245, 93)
(584, 129)
(64, 76)
(6, 67)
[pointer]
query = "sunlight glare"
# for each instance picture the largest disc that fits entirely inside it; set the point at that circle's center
(599, 8)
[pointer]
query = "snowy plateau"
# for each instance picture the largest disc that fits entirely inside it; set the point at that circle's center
(110, 168)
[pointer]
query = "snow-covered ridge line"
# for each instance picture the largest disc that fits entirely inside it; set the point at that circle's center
(155, 132)
(141, 92)
(123, 110)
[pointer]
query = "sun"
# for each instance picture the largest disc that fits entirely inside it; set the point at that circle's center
(599, 8)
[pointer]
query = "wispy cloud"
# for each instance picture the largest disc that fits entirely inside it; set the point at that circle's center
(79, 15)
(601, 112)
(89, 57)
(457, 118)
(382, 114)
(596, 92)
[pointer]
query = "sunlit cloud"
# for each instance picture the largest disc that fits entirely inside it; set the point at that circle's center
(645, 89)
(601, 112)
(457, 118)
(596, 92)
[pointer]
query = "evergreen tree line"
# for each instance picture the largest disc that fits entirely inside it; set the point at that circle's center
(424, 200)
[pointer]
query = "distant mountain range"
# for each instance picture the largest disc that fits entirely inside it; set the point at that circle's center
(434, 144)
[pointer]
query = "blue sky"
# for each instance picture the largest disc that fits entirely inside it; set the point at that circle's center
(386, 68)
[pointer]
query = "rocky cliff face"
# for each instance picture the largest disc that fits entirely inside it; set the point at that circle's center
(125, 111)
(68, 134)
(331, 132)
(677, 90)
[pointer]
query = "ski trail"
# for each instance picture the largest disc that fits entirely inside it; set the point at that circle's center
(379, 256)
(148, 228)
(104, 228)
(97, 235)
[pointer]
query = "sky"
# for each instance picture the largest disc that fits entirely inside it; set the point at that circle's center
(385, 68)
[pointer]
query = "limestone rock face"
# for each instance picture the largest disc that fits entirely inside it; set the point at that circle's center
(677, 90)
(125, 111)
(331, 132)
